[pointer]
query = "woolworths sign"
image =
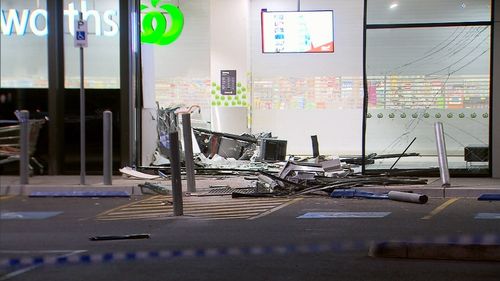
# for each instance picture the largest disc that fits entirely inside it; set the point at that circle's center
(155, 30)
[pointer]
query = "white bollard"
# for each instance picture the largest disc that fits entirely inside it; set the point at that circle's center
(107, 157)
(443, 159)
(24, 144)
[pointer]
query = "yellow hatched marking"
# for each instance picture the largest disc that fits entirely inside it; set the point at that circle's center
(203, 208)
(123, 206)
(142, 212)
(440, 208)
(232, 217)
(223, 208)
(135, 216)
(227, 211)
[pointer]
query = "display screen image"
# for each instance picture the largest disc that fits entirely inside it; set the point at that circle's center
(297, 32)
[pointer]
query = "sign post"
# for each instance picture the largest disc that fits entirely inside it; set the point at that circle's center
(81, 42)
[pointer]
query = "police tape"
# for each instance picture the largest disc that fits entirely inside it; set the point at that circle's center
(334, 247)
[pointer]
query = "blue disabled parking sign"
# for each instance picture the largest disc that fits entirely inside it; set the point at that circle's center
(81, 34)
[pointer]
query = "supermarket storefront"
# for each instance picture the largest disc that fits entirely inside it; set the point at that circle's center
(393, 73)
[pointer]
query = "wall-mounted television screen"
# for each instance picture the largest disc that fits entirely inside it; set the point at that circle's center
(297, 32)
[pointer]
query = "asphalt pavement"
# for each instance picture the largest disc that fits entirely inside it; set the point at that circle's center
(306, 238)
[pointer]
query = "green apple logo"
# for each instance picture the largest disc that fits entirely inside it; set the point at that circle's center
(159, 34)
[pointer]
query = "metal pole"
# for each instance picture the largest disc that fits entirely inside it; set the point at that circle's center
(402, 154)
(443, 160)
(188, 152)
(82, 117)
(24, 117)
(107, 156)
(175, 165)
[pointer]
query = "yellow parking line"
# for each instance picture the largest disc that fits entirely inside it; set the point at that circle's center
(440, 208)
(2, 197)
(275, 209)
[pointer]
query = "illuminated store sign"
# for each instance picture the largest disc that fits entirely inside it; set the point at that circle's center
(154, 22)
(158, 34)
(15, 22)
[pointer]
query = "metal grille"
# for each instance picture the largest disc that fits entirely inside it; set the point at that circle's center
(228, 191)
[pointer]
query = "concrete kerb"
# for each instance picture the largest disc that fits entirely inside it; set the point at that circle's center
(437, 192)
(439, 251)
(9, 185)
(26, 190)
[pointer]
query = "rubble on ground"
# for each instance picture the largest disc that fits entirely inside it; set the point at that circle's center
(264, 157)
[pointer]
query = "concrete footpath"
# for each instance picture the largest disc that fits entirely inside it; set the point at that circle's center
(9, 185)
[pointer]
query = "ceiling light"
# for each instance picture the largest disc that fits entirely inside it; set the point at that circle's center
(393, 5)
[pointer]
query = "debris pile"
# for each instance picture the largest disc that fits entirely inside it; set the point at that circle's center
(299, 179)
(274, 172)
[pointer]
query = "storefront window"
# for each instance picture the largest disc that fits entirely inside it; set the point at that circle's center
(177, 73)
(175, 57)
(417, 76)
(102, 56)
(23, 48)
(427, 11)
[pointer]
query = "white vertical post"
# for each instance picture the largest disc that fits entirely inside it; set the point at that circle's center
(24, 143)
(442, 157)
(107, 157)
(188, 152)
(175, 168)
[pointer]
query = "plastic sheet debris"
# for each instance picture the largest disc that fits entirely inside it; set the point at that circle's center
(353, 193)
(155, 188)
(159, 159)
(136, 174)
(489, 197)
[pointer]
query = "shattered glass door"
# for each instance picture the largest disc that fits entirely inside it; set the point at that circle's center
(417, 76)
